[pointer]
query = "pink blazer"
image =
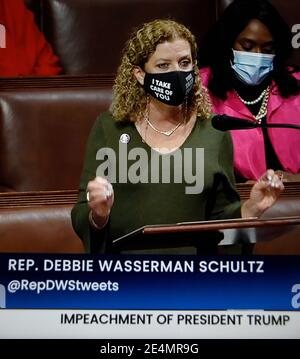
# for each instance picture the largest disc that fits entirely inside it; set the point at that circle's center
(249, 152)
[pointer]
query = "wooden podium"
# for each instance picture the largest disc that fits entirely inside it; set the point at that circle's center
(210, 237)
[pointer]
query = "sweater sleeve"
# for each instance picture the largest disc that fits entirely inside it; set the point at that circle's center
(225, 201)
(95, 241)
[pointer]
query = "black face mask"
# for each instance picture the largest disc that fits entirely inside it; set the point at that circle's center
(170, 88)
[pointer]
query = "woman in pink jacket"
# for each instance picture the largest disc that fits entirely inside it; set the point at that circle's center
(243, 64)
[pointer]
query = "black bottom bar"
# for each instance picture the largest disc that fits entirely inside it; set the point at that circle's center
(97, 348)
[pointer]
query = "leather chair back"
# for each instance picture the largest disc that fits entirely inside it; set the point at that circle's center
(43, 134)
(89, 36)
(38, 229)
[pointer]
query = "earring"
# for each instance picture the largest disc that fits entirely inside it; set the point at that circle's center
(185, 110)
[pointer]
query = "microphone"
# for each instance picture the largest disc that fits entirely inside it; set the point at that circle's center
(227, 123)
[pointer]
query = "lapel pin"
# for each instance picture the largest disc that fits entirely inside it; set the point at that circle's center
(124, 138)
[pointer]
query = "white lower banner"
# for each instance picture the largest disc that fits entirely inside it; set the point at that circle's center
(150, 324)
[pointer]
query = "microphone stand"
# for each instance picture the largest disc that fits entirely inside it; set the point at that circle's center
(229, 123)
(285, 125)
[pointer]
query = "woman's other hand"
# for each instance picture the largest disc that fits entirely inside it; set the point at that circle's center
(263, 195)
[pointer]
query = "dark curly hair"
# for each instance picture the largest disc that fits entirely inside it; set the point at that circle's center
(216, 48)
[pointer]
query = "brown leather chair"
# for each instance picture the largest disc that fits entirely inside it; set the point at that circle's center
(43, 134)
(38, 222)
(221, 5)
(40, 229)
(289, 10)
(89, 36)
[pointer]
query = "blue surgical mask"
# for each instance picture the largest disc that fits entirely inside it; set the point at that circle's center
(252, 67)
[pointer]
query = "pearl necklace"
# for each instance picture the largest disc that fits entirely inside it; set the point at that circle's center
(263, 108)
(165, 133)
(254, 101)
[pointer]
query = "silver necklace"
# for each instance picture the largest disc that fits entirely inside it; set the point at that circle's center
(165, 133)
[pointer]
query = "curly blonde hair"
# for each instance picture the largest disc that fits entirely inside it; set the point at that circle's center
(129, 98)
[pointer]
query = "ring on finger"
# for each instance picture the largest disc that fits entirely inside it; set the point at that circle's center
(108, 193)
(279, 174)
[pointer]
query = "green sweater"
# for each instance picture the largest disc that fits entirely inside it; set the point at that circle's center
(156, 190)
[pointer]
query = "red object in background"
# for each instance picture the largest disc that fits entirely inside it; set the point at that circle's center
(27, 52)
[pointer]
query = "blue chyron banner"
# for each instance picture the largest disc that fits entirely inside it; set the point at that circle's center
(34, 281)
